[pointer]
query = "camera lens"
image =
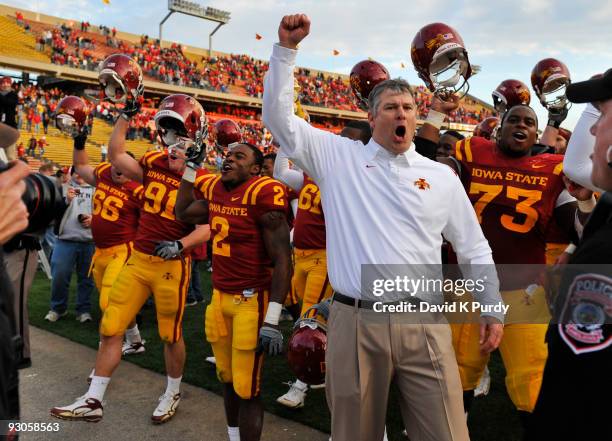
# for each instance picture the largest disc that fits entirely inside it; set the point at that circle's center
(44, 200)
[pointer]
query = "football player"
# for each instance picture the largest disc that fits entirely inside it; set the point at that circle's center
(159, 263)
(510, 93)
(116, 206)
(310, 282)
(448, 140)
(516, 196)
(292, 307)
(250, 234)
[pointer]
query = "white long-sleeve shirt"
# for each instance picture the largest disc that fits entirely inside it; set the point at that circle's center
(577, 163)
(380, 208)
(285, 174)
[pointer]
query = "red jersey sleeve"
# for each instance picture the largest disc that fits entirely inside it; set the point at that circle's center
(270, 195)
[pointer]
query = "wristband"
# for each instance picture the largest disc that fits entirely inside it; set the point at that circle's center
(570, 249)
(79, 142)
(435, 118)
(189, 175)
(588, 205)
(273, 314)
(553, 123)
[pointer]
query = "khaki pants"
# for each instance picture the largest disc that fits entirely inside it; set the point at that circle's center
(21, 266)
(367, 350)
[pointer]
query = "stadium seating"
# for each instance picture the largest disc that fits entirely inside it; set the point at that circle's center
(16, 42)
(59, 149)
(236, 74)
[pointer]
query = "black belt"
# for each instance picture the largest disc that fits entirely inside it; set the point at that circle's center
(368, 304)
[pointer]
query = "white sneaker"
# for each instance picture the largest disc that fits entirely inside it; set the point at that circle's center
(53, 316)
(166, 408)
(84, 409)
(484, 385)
(133, 348)
(294, 398)
(84, 317)
(211, 360)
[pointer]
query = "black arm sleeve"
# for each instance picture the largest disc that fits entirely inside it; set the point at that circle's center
(425, 147)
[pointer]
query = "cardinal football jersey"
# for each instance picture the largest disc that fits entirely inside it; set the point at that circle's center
(240, 261)
(115, 209)
(157, 219)
(514, 199)
(309, 226)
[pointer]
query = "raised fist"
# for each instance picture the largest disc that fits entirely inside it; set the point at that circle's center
(444, 102)
(293, 29)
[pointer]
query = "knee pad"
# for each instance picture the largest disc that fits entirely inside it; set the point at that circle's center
(110, 325)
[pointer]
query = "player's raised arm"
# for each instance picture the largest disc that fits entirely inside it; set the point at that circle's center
(284, 173)
(314, 151)
(118, 155)
(187, 208)
(276, 239)
(80, 159)
(71, 118)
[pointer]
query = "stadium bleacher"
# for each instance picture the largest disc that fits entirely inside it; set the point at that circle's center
(61, 41)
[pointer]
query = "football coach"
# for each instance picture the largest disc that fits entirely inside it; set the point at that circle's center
(384, 204)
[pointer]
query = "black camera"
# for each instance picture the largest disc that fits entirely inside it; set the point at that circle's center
(44, 199)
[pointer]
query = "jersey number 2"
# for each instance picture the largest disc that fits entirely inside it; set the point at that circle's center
(220, 226)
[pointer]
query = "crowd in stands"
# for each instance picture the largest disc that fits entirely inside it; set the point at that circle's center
(240, 74)
(37, 105)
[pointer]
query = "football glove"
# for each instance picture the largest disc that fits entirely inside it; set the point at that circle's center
(131, 108)
(323, 308)
(270, 340)
(196, 155)
(169, 249)
(557, 116)
(80, 138)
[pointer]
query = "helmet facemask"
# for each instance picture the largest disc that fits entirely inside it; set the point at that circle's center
(113, 87)
(553, 92)
(499, 102)
(449, 73)
(67, 124)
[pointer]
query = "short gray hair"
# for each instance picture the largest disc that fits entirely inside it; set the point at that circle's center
(397, 85)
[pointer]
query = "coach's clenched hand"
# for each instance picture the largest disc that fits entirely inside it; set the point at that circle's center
(293, 29)
(270, 340)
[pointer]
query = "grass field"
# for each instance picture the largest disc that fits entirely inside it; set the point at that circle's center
(493, 418)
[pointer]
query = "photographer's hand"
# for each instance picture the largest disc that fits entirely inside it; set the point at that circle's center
(15, 213)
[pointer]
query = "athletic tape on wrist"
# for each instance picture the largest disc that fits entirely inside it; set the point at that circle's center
(189, 175)
(588, 205)
(570, 248)
(273, 313)
(435, 118)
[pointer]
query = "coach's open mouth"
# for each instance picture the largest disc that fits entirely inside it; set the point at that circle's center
(400, 133)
